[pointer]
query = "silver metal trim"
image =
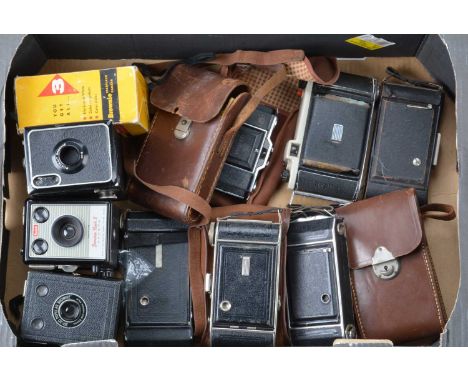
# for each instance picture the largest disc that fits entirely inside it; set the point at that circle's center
(158, 256)
(292, 162)
(245, 271)
(437, 149)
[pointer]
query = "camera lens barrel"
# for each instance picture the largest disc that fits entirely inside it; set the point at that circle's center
(70, 310)
(67, 231)
(70, 156)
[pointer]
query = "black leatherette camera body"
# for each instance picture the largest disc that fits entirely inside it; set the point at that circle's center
(244, 301)
(319, 295)
(329, 155)
(61, 309)
(406, 141)
(74, 159)
(158, 307)
(249, 154)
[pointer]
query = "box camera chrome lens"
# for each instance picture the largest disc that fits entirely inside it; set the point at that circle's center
(249, 154)
(82, 158)
(158, 307)
(319, 295)
(329, 155)
(60, 309)
(245, 281)
(71, 234)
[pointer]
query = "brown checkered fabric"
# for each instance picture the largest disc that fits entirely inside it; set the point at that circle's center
(284, 97)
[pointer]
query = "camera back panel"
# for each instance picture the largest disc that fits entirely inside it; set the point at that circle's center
(245, 283)
(407, 124)
(319, 300)
(74, 158)
(157, 289)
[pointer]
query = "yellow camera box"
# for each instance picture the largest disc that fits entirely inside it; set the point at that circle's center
(119, 94)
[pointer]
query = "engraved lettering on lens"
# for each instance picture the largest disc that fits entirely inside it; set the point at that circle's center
(69, 310)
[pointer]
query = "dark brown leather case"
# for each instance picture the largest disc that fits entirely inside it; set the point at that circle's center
(189, 158)
(394, 286)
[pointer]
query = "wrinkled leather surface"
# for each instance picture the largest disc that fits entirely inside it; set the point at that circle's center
(409, 307)
(192, 163)
(195, 93)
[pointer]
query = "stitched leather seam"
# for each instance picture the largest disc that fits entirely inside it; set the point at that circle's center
(436, 282)
(356, 308)
(146, 140)
(434, 290)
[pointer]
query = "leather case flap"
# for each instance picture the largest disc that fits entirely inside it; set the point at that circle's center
(390, 220)
(195, 93)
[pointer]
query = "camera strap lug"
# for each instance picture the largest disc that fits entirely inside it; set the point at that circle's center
(384, 264)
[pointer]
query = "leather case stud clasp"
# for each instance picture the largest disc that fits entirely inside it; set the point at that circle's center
(384, 264)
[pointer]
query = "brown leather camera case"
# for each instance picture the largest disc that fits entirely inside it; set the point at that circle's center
(183, 150)
(394, 286)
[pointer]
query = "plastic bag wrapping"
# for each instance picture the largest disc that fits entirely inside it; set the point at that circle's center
(7, 337)
(135, 266)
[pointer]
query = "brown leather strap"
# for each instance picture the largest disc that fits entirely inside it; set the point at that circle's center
(270, 177)
(183, 195)
(278, 77)
(244, 210)
(197, 272)
(271, 58)
(438, 211)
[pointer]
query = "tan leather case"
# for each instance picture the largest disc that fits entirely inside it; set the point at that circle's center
(408, 307)
(193, 163)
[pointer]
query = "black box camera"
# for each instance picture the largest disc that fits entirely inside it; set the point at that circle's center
(249, 154)
(329, 155)
(158, 309)
(61, 309)
(69, 235)
(83, 158)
